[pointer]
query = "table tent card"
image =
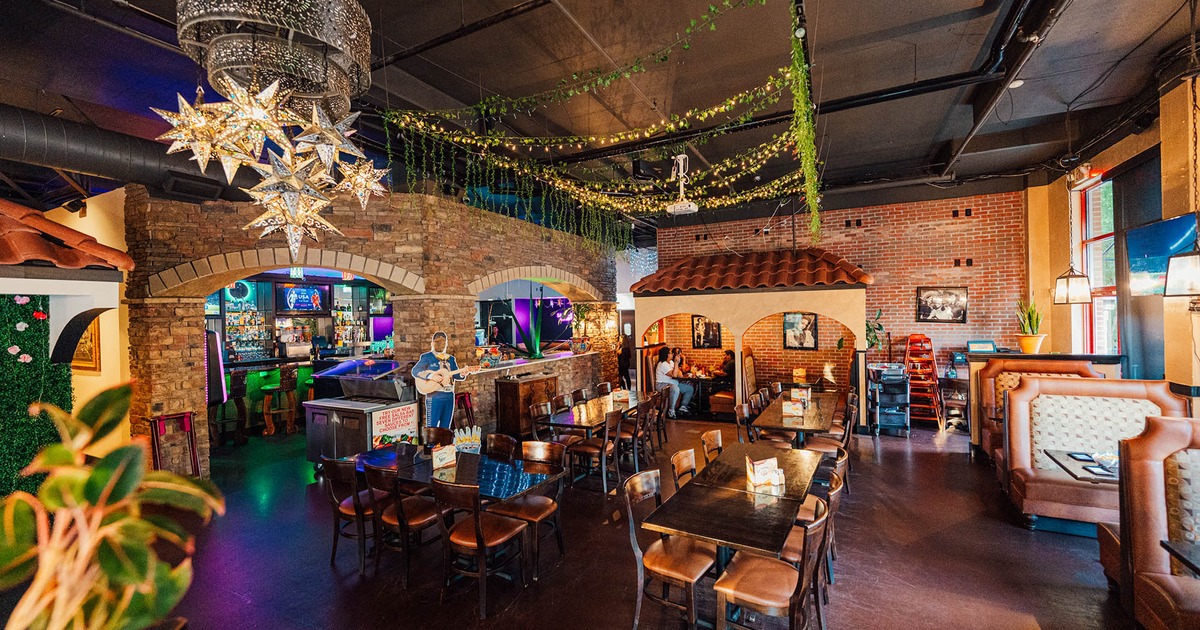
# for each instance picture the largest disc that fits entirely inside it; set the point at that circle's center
(444, 456)
(764, 472)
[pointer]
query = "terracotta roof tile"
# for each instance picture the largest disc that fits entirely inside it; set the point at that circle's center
(28, 237)
(754, 270)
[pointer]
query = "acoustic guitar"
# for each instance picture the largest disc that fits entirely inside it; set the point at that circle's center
(439, 378)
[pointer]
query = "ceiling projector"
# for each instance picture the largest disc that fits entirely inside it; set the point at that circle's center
(683, 206)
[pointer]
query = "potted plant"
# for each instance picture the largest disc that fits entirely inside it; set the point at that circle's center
(1030, 320)
(580, 312)
(874, 333)
(90, 541)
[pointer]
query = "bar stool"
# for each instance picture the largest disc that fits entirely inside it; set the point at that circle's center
(287, 385)
(311, 393)
(462, 400)
(236, 395)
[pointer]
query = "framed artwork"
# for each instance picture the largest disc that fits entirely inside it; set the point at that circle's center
(705, 333)
(800, 331)
(87, 351)
(942, 304)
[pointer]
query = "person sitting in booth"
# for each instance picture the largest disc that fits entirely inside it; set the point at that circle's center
(724, 374)
(666, 375)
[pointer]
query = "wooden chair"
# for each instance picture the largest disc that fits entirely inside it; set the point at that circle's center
(710, 441)
(599, 449)
(773, 587)
(673, 561)
(406, 452)
(659, 401)
(480, 537)
(794, 547)
(352, 506)
(833, 449)
(742, 414)
(776, 389)
(635, 436)
(562, 402)
(756, 403)
(683, 463)
(405, 516)
(541, 410)
(501, 446)
(604, 389)
(536, 509)
(436, 436)
(582, 395)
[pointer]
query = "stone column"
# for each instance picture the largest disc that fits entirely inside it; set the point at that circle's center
(416, 317)
(166, 362)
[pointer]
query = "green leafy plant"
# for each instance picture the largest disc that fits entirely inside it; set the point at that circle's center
(1028, 317)
(88, 538)
(874, 333)
(580, 312)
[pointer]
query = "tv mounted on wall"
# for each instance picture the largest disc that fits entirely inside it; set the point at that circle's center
(1149, 248)
(301, 299)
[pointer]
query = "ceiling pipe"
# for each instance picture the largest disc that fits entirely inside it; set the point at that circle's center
(893, 183)
(1032, 41)
(987, 72)
(33, 138)
(136, 34)
(460, 32)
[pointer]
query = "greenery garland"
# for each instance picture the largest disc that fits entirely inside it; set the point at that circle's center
(804, 131)
(28, 377)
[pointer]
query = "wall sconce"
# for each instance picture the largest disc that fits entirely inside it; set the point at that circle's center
(1183, 277)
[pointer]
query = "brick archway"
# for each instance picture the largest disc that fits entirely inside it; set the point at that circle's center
(201, 277)
(569, 284)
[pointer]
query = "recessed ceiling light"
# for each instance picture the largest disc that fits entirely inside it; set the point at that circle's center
(1016, 83)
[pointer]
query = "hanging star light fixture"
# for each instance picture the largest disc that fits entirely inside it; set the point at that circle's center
(304, 163)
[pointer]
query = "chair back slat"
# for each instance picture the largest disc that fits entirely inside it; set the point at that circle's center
(541, 410)
(544, 452)
(683, 463)
(562, 402)
(604, 389)
(501, 446)
(711, 441)
(341, 479)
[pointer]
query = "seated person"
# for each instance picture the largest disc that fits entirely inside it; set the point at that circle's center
(680, 392)
(724, 374)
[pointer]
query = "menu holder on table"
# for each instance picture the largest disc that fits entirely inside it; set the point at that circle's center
(620, 395)
(794, 408)
(444, 456)
(764, 472)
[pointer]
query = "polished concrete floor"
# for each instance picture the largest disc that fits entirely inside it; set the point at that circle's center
(925, 540)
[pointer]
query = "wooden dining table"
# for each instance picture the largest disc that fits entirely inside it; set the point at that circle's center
(817, 417)
(498, 479)
(719, 506)
(590, 414)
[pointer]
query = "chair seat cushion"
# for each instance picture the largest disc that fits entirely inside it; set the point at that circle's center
(497, 530)
(567, 439)
(533, 508)
(822, 445)
(1108, 535)
(413, 487)
(1056, 486)
(771, 434)
(420, 512)
(1173, 600)
(347, 505)
(722, 397)
(759, 581)
(680, 558)
(591, 447)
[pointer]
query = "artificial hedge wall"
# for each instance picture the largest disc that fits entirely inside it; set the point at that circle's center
(26, 376)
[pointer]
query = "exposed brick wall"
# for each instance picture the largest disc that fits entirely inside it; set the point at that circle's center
(573, 373)
(677, 333)
(904, 246)
(179, 246)
(773, 363)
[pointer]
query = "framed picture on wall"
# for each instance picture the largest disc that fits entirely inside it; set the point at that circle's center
(942, 304)
(87, 352)
(799, 331)
(705, 333)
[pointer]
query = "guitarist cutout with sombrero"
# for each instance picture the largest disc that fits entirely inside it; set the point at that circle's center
(434, 373)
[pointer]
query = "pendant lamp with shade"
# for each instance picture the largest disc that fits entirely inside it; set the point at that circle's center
(1072, 287)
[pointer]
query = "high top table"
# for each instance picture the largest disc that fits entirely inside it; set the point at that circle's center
(817, 418)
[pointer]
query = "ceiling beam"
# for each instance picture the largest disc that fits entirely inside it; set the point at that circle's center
(20, 190)
(71, 181)
(460, 32)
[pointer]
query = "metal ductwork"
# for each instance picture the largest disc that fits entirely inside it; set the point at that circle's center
(33, 138)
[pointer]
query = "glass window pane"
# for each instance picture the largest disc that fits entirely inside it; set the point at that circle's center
(1104, 325)
(1100, 262)
(1099, 210)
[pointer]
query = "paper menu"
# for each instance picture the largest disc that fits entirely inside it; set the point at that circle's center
(444, 456)
(764, 472)
(794, 408)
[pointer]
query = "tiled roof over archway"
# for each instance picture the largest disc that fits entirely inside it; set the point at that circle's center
(28, 237)
(808, 267)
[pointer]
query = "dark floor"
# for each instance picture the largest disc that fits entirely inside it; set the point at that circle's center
(924, 538)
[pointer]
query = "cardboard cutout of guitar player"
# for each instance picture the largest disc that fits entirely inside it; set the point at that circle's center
(434, 374)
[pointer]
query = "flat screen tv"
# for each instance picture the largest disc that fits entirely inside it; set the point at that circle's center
(291, 299)
(1149, 248)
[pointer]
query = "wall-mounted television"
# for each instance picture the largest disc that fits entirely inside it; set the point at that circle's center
(1149, 248)
(292, 299)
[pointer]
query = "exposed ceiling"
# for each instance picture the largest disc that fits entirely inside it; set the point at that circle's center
(106, 62)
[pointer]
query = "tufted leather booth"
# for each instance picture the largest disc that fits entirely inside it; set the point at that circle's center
(999, 376)
(1080, 415)
(1160, 475)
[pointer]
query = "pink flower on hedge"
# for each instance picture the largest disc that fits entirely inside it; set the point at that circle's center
(39, 315)
(24, 358)
(14, 349)
(21, 299)
(21, 326)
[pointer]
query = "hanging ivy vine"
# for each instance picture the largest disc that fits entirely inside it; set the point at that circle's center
(805, 134)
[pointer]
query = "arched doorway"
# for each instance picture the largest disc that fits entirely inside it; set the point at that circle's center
(704, 343)
(801, 347)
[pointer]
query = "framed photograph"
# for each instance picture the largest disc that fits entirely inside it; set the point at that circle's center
(942, 304)
(87, 352)
(800, 331)
(705, 333)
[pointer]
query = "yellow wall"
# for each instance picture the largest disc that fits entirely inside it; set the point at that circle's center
(105, 222)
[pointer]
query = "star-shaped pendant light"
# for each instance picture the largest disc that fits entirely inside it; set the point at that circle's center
(362, 180)
(299, 171)
(329, 140)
